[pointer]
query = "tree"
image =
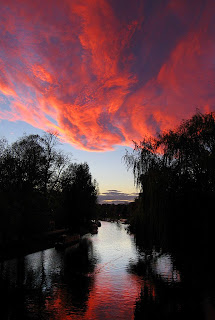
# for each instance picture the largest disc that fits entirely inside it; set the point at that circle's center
(190, 150)
(27, 154)
(30, 171)
(80, 194)
(39, 183)
(54, 161)
(176, 175)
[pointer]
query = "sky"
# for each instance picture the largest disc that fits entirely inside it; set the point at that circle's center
(104, 73)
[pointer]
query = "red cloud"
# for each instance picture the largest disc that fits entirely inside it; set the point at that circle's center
(103, 75)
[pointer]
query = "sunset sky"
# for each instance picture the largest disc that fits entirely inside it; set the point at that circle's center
(103, 73)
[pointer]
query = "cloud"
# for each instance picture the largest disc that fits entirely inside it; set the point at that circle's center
(103, 73)
(116, 196)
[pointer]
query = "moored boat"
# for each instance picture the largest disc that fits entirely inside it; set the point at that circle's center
(124, 221)
(98, 223)
(93, 228)
(66, 240)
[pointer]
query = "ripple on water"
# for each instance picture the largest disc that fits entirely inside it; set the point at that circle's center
(103, 279)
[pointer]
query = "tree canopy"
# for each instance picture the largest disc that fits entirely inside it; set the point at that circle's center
(172, 170)
(39, 183)
(80, 193)
(188, 151)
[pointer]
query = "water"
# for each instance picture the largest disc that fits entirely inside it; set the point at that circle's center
(106, 277)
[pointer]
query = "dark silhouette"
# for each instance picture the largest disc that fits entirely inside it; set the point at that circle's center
(79, 195)
(175, 211)
(111, 211)
(41, 190)
(176, 174)
(38, 279)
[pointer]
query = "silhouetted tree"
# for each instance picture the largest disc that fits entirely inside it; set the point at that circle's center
(176, 176)
(80, 194)
(27, 154)
(37, 183)
(54, 161)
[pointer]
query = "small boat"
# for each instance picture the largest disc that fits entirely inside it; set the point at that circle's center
(66, 240)
(93, 228)
(98, 223)
(124, 221)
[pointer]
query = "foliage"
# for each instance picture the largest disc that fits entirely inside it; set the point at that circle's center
(80, 193)
(114, 211)
(38, 183)
(32, 162)
(172, 170)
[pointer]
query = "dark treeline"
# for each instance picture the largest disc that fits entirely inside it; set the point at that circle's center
(42, 189)
(115, 211)
(176, 175)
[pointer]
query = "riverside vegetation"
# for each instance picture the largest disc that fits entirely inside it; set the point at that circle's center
(176, 176)
(41, 190)
(167, 273)
(174, 214)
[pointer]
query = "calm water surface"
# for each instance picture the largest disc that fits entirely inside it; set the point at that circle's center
(106, 277)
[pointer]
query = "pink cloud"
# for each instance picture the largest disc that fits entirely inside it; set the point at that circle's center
(106, 76)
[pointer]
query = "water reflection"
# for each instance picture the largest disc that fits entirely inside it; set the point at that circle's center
(115, 290)
(171, 289)
(163, 266)
(161, 294)
(48, 284)
(106, 277)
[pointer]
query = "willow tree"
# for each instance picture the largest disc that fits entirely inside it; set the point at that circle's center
(151, 176)
(190, 150)
(176, 176)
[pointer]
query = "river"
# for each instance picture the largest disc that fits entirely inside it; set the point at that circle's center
(106, 277)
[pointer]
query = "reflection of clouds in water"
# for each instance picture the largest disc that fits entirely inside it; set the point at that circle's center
(163, 266)
(105, 278)
(115, 291)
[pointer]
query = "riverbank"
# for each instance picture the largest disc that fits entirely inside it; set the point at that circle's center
(38, 242)
(29, 245)
(108, 277)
